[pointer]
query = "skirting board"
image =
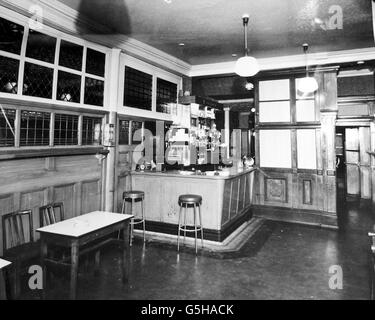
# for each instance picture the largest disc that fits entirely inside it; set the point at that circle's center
(208, 234)
(307, 217)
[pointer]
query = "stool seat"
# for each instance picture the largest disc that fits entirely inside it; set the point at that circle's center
(190, 199)
(134, 194)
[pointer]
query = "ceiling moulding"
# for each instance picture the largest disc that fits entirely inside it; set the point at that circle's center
(286, 62)
(65, 19)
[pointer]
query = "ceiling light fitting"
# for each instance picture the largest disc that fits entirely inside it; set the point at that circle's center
(307, 84)
(246, 66)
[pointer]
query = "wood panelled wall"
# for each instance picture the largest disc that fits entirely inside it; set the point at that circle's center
(29, 184)
(293, 193)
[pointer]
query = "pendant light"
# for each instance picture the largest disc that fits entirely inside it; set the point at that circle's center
(246, 66)
(307, 84)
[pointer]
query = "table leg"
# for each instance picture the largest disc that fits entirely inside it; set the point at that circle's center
(74, 270)
(126, 254)
(43, 256)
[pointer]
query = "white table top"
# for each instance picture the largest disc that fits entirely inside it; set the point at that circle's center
(4, 263)
(84, 224)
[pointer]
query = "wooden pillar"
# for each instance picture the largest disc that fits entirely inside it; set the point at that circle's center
(227, 129)
(327, 101)
(372, 159)
(328, 122)
(110, 163)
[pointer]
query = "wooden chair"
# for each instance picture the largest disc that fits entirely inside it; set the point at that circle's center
(18, 244)
(51, 214)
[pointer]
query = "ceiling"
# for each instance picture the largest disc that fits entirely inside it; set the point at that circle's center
(212, 29)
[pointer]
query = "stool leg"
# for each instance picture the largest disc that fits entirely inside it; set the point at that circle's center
(185, 208)
(200, 222)
(179, 229)
(123, 211)
(195, 228)
(131, 224)
(144, 222)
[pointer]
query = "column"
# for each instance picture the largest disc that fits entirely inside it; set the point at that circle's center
(110, 163)
(227, 129)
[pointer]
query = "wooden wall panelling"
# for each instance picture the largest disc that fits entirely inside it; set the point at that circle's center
(365, 162)
(227, 201)
(372, 158)
(234, 198)
(67, 195)
(90, 196)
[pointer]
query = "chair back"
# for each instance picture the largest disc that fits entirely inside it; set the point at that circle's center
(17, 229)
(51, 214)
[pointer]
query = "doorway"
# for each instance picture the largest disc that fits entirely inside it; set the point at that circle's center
(353, 165)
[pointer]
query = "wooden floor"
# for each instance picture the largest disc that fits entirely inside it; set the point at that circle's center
(282, 261)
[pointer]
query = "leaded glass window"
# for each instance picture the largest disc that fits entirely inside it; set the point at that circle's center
(71, 55)
(8, 75)
(6, 127)
(41, 46)
(11, 35)
(66, 130)
(37, 81)
(91, 130)
(138, 89)
(95, 62)
(35, 128)
(94, 92)
(68, 87)
(166, 96)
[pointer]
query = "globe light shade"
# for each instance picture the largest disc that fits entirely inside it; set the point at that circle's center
(308, 85)
(246, 66)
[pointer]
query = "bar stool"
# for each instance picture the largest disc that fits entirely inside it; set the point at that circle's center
(134, 196)
(193, 201)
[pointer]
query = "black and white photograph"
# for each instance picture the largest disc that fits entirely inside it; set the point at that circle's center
(187, 155)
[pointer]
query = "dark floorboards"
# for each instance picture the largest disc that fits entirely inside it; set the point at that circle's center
(282, 261)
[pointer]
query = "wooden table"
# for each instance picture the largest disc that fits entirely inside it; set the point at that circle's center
(3, 265)
(79, 231)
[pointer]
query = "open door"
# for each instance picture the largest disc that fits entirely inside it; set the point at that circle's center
(358, 171)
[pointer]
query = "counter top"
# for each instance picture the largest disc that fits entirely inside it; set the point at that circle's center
(229, 173)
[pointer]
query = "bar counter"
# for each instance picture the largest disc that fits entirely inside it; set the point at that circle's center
(226, 201)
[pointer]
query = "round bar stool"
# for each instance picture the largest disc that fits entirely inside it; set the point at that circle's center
(134, 196)
(186, 201)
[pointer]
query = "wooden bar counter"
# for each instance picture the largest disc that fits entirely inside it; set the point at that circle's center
(226, 202)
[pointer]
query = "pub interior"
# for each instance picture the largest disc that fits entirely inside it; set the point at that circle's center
(230, 144)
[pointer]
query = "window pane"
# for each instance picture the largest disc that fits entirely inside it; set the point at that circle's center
(91, 130)
(124, 132)
(68, 87)
(95, 62)
(6, 135)
(11, 35)
(71, 55)
(34, 128)
(66, 129)
(8, 75)
(41, 47)
(136, 125)
(166, 96)
(138, 89)
(94, 92)
(37, 81)
(275, 148)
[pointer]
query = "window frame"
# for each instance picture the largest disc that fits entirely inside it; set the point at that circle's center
(156, 73)
(52, 113)
(59, 36)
